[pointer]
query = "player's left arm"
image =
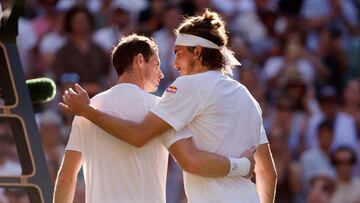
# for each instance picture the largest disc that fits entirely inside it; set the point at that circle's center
(266, 176)
(209, 164)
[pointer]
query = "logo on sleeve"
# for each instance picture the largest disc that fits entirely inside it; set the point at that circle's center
(171, 89)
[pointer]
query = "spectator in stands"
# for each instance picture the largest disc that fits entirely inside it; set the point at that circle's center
(347, 185)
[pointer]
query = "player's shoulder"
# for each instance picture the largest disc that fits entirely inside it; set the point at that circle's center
(195, 83)
(183, 78)
(151, 98)
(98, 97)
(185, 81)
(203, 78)
(180, 86)
(79, 121)
(119, 91)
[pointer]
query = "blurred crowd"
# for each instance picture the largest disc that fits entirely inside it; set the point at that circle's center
(300, 60)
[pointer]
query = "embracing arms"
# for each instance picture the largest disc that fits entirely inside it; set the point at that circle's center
(208, 164)
(137, 134)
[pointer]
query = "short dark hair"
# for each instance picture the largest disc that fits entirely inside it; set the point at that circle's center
(326, 124)
(211, 27)
(353, 159)
(130, 46)
(72, 12)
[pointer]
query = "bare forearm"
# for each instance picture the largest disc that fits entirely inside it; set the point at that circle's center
(265, 174)
(136, 134)
(125, 130)
(64, 189)
(199, 162)
(266, 187)
(211, 165)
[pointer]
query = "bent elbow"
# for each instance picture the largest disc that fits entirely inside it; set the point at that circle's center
(138, 143)
(190, 166)
(138, 140)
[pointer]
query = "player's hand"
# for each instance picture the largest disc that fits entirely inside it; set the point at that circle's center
(76, 101)
(250, 155)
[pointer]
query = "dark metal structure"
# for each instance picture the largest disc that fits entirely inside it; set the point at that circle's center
(17, 112)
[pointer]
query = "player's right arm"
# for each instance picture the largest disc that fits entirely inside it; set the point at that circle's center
(207, 164)
(67, 177)
(136, 134)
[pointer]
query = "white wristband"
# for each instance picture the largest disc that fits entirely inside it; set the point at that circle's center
(239, 166)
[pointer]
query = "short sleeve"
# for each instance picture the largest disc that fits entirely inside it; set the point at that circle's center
(74, 142)
(263, 138)
(180, 103)
(171, 136)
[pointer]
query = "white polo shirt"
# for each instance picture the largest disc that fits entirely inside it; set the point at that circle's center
(224, 119)
(115, 171)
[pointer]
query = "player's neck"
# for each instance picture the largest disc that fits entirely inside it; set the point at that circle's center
(131, 78)
(198, 68)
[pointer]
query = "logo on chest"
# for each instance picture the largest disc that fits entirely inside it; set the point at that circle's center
(171, 89)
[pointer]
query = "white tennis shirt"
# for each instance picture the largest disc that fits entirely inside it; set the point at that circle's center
(225, 119)
(115, 171)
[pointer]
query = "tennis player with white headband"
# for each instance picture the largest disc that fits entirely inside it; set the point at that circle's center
(222, 115)
(192, 41)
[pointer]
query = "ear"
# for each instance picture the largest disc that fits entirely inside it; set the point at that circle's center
(138, 60)
(197, 51)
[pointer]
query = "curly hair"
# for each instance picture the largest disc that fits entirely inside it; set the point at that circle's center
(211, 27)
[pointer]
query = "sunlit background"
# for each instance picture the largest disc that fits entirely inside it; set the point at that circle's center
(300, 59)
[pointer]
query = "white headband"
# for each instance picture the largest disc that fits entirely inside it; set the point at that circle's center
(192, 40)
